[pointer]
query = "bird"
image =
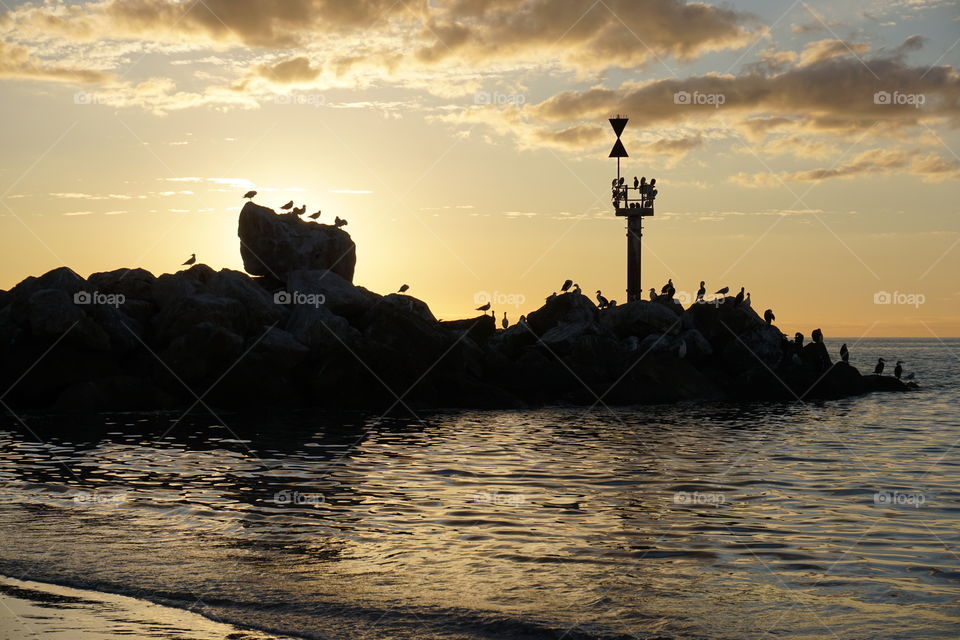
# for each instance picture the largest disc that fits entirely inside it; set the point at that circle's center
(722, 292)
(604, 303)
(739, 298)
(816, 335)
(504, 323)
(576, 288)
(702, 291)
(191, 260)
(314, 216)
(403, 289)
(613, 183)
(522, 320)
(611, 304)
(551, 296)
(746, 300)
(798, 339)
(636, 183)
(653, 294)
(844, 352)
(339, 222)
(302, 209)
(620, 184)
(768, 316)
(483, 307)
(249, 194)
(566, 285)
(287, 206)
(665, 290)
(909, 376)
(878, 370)
(898, 370)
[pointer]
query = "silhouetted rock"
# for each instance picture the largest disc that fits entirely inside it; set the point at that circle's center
(134, 284)
(641, 318)
(567, 307)
(274, 245)
(479, 329)
(338, 294)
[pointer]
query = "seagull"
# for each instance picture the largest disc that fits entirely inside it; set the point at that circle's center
(702, 291)
(898, 370)
(566, 285)
(768, 316)
(287, 206)
(746, 301)
(722, 292)
(249, 194)
(739, 298)
(653, 293)
(483, 307)
(404, 288)
(314, 216)
(636, 183)
(878, 370)
(302, 209)
(191, 260)
(339, 222)
(604, 303)
(504, 323)
(844, 352)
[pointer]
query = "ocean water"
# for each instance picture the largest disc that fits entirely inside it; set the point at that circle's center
(697, 521)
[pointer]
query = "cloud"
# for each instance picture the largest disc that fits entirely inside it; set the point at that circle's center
(16, 62)
(928, 166)
(821, 50)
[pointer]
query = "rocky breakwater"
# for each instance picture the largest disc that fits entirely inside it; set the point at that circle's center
(296, 332)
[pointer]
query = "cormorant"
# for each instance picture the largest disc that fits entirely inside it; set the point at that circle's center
(576, 288)
(483, 307)
(636, 183)
(653, 294)
(746, 300)
(302, 209)
(667, 289)
(566, 285)
(404, 288)
(798, 339)
(844, 352)
(702, 291)
(339, 222)
(612, 304)
(191, 260)
(898, 370)
(768, 316)
(604, 303)
(739, 298)
(249, 194)
(816, 335)
(314, 216)
(722, 292)
(504, 323)
(287, 206)
(878, 370)
(620, 184)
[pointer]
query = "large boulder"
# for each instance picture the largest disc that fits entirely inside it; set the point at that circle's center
(641, 318)
(338, 294)
(134, 284)
(479, 329)
(275, 245)
(572, 307)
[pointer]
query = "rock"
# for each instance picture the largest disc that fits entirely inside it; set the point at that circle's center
(131, 283)
(52, 314)
(201, 353)
(261, 307)
(569, 307)
(321, 330)
(277, 351)
(641, 318)
(410, 305)
(479, 329)
(698, 348)
(661, 343)
(874, 382)
(339, 295)
(275, 245)
(171, 288)
(563, 336)
(759, 346)
(113, 393)
(180, 316)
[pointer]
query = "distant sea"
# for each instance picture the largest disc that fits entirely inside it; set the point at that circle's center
(802, 520)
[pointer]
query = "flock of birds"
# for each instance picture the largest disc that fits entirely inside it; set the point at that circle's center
(301, 210)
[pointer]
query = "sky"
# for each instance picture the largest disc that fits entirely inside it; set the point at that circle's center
(807, 151)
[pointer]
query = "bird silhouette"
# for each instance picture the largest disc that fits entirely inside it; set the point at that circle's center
(191, 260)
(747, 301)
(551, 297)
(483, 307)
(702, 291)
(768, 316)
(620, 184)
(314, 216)
(878, 370)
(404, 288)
(722, 292)
(739, 298)
(339, 222)
(816, 335)
(522, 320)
(798, 339)
(566, 285)
(287, 206)
(636, 183)
(249, 194)
(898, 370)
(604, 303)
(844, 352)
(653, 293)
(302, 209)
(504, 323)
(576, 288)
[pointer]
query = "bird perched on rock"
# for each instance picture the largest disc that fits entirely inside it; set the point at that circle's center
(816, 336)
(302, 209)
(611, 304)
(576, 288)
(798, 339)
(898, 370)
(483, 307)
(878, 370)
(768, 316)
(566, 285)
(636, 183)
(844, 352)
(746, 300)
(404, 288)
(191, 260)
(551, 297)
(603, 302)
(653, 294)
(314, 216)
(287, 206)
(504, 323)
(739, 298)
(249, 194)
(722, 292)
(339, 222)
(668, 289)
(702, 291)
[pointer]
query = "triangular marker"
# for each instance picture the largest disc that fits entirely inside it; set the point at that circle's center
(618, 151)
(618, 125)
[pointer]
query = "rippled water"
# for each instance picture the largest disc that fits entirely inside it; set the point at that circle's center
(835, 519)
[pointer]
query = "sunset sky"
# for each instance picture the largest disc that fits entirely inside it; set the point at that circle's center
(806, 150)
